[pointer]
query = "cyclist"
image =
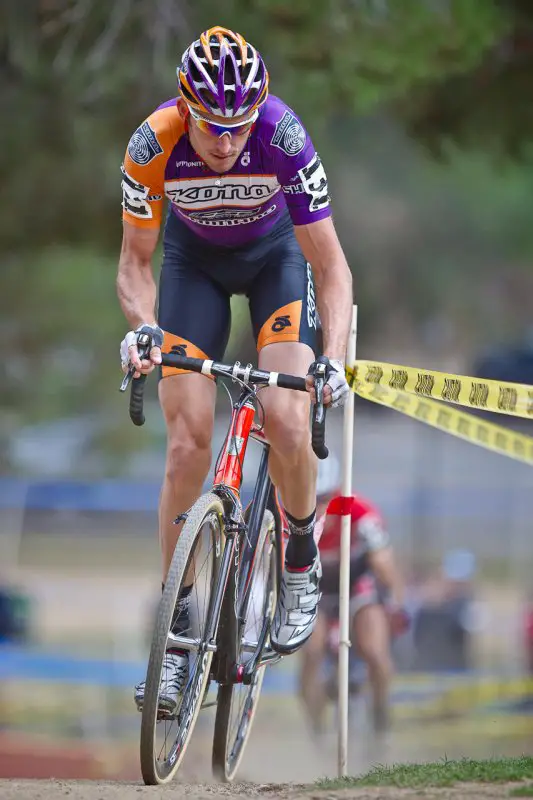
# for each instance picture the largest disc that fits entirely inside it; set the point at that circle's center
(249, 213)
(376, 604)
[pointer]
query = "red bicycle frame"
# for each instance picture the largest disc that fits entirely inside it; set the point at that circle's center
(228, 472)
(229, 468)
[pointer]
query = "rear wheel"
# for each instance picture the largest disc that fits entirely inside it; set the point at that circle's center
(236, 702)
(164, 736)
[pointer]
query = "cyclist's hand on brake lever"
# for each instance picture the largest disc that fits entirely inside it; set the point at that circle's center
(336, 388)
(143, 362)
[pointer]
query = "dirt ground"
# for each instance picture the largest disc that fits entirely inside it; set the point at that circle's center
(289, 756)
(74, 790)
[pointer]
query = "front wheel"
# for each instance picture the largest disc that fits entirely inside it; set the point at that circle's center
(236, 702)
(165, 736)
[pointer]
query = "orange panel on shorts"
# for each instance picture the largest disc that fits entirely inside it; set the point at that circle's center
(177, 344)
(282, 326)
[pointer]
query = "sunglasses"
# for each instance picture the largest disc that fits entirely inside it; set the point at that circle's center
(215, 129)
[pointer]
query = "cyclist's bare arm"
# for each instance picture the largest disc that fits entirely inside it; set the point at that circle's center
(321, 247)
(136, 287)
(135, 282)
(384, 567)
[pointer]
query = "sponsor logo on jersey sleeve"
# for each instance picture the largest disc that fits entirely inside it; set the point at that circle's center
(289, 135)
(135, 197)
(315, 183)
(143, 145)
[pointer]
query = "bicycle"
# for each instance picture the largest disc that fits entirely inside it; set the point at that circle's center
(228, 642)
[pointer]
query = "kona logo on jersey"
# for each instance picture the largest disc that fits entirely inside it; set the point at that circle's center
(280, 323)
(289, 135)
(233, 190)
(143, 145)
(179, 349)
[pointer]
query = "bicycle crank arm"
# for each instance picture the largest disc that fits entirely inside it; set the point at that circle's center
(269, 657)
(187, 643)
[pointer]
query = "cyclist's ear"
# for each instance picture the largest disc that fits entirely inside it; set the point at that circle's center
(183, 109)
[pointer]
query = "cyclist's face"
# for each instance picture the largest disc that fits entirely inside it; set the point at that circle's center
(219, 152)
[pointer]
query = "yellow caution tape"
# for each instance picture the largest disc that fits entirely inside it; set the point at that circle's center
(437, 415)
(501, 398)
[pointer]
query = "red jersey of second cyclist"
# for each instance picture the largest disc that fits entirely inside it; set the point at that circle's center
(368, 530)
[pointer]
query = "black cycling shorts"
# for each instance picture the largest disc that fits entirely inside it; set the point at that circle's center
(198, 279)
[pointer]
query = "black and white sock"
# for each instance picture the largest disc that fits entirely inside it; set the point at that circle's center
(180, 618)
(301, 549)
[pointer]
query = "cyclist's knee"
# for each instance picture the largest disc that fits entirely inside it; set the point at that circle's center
(188, 447)
(287, 425)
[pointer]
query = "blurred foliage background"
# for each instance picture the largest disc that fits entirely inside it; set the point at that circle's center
(423, 117)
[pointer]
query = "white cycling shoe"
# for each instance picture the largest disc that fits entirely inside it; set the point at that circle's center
(174, 677)
(296, 611)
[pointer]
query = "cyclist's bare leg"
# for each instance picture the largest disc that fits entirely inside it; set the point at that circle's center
(292, 462)
(188, 403)
(292, 465)
(311, 685)
(371, 632)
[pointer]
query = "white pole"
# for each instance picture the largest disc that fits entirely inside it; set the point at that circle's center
(344, 576)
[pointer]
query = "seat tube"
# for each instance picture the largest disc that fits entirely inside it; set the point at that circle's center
(229, 472)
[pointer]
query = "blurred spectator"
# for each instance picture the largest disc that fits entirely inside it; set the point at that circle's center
(15, 615)
(448, 616)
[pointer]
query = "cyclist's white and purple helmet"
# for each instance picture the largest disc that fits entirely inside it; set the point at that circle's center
(222, 75)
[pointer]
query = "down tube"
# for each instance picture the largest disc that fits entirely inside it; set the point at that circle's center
(255, 519)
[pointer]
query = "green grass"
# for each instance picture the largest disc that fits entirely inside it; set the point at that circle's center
(522, 791)
(440, 773)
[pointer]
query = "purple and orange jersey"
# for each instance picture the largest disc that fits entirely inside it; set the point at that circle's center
(278, 169)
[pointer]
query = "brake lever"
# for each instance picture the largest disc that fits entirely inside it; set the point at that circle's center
(143, 347)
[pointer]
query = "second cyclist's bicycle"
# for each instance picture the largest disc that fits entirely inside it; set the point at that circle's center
(234, 560)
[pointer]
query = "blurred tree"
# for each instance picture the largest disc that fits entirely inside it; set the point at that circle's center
(486, 107)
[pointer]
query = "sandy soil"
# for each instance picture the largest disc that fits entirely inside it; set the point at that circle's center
(80, 790)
